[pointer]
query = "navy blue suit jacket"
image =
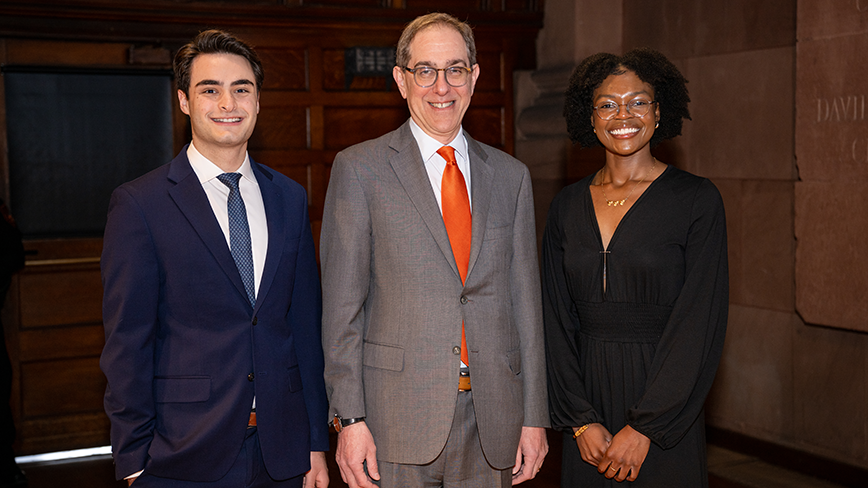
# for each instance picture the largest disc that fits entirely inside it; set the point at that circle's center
(185, 353)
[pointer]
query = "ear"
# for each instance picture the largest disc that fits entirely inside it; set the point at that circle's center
(398, 74)
(182, 101)
(473, 77)
(657, 113)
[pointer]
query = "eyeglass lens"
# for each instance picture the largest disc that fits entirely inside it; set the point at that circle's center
(426, 76)
(636, 108)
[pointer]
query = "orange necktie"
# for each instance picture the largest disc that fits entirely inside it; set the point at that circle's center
(456, 216)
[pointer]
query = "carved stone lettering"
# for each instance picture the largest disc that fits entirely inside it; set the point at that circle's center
(850, 108)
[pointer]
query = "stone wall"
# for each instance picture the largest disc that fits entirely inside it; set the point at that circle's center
(771, 83)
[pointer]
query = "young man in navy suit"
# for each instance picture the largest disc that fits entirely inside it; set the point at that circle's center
(212, 302)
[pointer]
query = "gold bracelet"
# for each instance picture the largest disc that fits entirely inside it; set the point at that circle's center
(581, 431)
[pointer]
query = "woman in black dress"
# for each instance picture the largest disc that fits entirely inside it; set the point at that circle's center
(635, 285)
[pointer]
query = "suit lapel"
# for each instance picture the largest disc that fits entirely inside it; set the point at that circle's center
(410, 169)
(191, 200)
(481, 184)
(274, 214)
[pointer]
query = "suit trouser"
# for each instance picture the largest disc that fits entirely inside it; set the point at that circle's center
(460, 464)
(248, 471)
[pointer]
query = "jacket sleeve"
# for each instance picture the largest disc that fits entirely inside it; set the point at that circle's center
(525, 290)
(130, 278)
(305, 319)
(345, 253)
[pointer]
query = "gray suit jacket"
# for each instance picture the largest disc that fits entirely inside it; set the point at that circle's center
(393, 302)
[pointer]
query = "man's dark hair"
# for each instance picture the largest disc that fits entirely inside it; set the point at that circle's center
(670, 92)
(214, 42)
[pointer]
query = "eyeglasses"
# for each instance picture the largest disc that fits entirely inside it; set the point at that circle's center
(426, 76)
(636, 108)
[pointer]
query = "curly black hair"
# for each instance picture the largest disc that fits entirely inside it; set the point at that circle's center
(670, 91)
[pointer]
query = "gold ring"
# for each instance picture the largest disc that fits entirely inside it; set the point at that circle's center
(613, 468)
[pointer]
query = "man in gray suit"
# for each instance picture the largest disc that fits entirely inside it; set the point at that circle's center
(409, 271)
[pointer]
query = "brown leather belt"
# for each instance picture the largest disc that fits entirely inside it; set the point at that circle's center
(252, 421)
(464, 381)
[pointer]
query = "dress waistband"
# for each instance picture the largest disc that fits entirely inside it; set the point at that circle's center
(622, 322)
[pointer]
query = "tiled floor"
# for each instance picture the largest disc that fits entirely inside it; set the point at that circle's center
(727, 469)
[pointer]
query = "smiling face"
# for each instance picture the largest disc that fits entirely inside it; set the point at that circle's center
(625, 134)
(222, 103)
(437, 109)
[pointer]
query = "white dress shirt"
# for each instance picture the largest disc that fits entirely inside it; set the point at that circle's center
(218, 195)
(435, 164)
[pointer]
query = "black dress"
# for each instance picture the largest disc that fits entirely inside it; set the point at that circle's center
(644, 351)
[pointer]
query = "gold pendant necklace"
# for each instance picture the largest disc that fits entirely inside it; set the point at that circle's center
(616, 203)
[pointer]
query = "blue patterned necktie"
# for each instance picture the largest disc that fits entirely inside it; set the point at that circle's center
(239, 234)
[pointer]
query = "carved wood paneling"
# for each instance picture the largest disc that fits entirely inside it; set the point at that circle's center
(310, 110)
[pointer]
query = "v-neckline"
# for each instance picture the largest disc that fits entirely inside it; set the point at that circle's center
(607, 248)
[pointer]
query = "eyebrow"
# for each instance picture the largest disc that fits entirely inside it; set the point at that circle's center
(634, 94)
(451, 62)
(215, 82)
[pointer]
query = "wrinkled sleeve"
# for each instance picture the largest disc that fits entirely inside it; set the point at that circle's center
(568, 405)
(690, 348)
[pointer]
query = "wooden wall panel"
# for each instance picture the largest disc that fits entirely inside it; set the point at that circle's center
(64, 387)
(309, 112)
(444, 5)
(491, 72)
(60, 296)
(61, 342)
(285, 69)
(348, 126)
(280, 127)
(486, 124)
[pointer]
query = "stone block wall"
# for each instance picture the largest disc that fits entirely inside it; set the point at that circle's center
(778, 106)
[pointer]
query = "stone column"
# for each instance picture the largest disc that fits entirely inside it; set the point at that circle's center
(573, 30)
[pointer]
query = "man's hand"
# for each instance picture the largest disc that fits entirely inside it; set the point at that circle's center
(532, 449)
(593, 443)
(318, 476)
(355, 449)
(130, 481)
(625, 455)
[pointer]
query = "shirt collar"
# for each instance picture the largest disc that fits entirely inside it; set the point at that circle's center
(428, 145)
(206, 170)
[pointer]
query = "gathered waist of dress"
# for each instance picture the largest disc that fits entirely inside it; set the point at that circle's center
(622, 322)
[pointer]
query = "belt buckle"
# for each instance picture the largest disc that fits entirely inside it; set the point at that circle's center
(464, 379)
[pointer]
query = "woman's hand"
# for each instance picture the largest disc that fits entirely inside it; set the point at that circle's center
(625, 455)
(593, 443)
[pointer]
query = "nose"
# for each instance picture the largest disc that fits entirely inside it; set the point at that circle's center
(227, 101)
(440, 86)
(623, 113)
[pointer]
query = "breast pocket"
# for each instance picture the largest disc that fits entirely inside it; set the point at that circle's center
(501, 232)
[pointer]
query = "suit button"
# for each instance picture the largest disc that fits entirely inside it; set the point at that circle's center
(463, 300)
(456, 350)
(255, 320)
(250, 377)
